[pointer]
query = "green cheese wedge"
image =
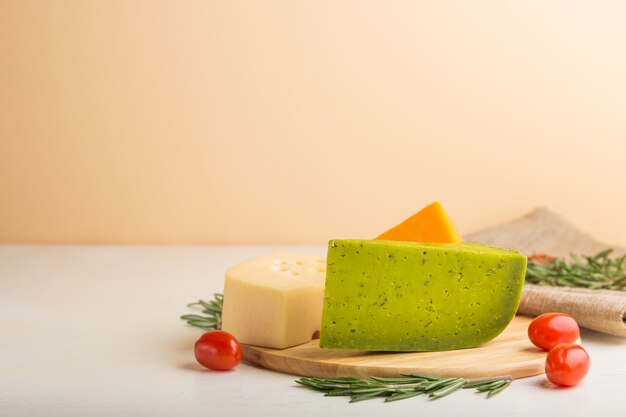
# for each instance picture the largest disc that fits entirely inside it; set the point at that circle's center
(406, 296)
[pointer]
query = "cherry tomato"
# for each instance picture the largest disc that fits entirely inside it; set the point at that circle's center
(218, 350)
(542, 258)
(550, 329)
(567, 364)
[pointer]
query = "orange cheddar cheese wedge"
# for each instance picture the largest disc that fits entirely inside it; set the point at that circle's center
(430, 224)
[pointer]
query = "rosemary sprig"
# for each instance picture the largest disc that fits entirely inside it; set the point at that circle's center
(403, 387)
(595, 272)
(212, 317)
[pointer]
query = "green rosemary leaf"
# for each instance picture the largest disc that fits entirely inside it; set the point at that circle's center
(488, 387)
(332, 386)
(308, 383)
(213, 309)
(341, 380)
(368, 390)
(195, 317)
(398, 380)
(423, 376)
(441, 383)
(202, 323)
(448, 389)
(403, 396)
(367, 396)
(473, 383)
(338, 393)
(498, 390)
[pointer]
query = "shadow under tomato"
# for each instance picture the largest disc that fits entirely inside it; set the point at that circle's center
(196, 367)
(546, 384)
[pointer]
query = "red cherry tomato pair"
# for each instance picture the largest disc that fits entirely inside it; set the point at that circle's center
(567, 363)
(218, 350)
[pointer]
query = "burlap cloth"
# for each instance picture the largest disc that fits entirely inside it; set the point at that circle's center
(542, 231)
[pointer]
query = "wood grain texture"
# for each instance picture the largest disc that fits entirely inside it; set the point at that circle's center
(511, 353)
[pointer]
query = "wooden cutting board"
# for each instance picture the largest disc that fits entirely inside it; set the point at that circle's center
(511, 353)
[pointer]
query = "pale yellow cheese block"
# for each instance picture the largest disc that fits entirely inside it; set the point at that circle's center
(274, 300)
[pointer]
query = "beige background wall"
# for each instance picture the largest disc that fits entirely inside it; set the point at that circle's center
(293, 121)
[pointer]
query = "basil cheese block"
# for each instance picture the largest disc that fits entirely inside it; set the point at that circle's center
(407, 296)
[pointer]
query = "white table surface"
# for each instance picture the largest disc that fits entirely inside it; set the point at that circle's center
(94, 331)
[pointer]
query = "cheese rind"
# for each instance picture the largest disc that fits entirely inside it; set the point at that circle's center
(430, 224)
(274, 300)
(406, 296)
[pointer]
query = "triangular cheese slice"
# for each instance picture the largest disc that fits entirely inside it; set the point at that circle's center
(431, 224)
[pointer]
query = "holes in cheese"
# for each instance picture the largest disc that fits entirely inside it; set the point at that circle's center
(430, 224)
(274, 300)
